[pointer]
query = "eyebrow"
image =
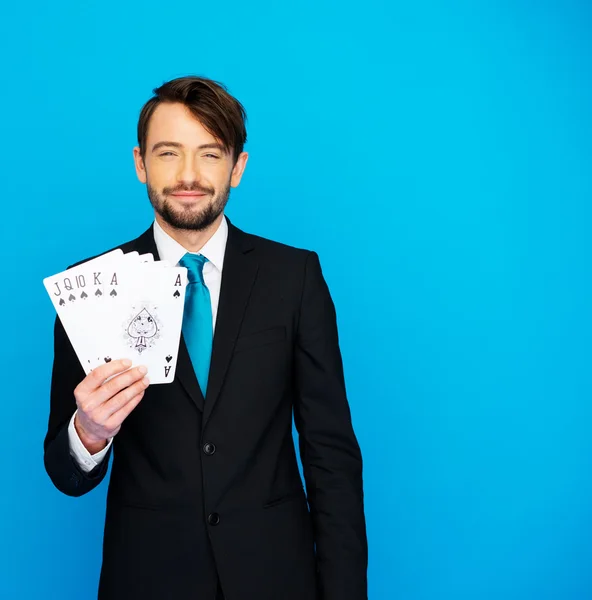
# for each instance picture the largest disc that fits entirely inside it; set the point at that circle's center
(178, 145)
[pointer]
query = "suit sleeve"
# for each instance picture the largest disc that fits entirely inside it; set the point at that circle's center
(61, 466)
(330, 454)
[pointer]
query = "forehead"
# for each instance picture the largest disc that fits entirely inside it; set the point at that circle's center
(175, 122)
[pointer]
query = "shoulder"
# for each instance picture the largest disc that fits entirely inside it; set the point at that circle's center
(269, 250)
(279, 251)
(288, 266)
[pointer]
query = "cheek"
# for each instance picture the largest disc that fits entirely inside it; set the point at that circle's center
(216, 175)
(161, 175)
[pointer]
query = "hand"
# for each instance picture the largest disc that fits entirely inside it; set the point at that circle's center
(102, 407)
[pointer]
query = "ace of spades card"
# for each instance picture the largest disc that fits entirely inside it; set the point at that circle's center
(142, 321)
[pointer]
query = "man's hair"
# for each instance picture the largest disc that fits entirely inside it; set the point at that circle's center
(220, 113)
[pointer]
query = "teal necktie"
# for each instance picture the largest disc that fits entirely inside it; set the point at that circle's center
(197, 318)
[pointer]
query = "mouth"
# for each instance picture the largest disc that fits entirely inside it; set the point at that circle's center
(188, 194)
(188, 199)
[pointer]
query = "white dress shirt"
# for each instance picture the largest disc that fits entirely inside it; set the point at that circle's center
(168, 249)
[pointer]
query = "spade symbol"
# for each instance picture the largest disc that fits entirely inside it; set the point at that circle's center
(84, 295)
(62, 302)
(169, 358)
(98, 293)
(176, 294)
(142, 327)
(107, 359)
(113, 294)
(72, 297)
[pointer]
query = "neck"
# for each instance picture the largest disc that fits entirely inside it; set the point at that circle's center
(192, 241)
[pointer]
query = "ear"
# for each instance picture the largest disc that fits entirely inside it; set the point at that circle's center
(139, 164)
(238, 169)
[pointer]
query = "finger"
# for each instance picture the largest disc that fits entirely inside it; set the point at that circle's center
(119, 416)
(97, 376)
(102, 413)
(123, 397)
(114, 386)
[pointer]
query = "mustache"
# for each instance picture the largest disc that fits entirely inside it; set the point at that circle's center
(184, 188)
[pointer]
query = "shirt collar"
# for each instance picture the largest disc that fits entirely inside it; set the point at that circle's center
(214, 249)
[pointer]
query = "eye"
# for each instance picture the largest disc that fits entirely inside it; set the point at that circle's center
(212, 155)
(165, 153)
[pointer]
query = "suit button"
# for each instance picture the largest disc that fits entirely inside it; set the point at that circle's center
(214, 519)
(209, 448)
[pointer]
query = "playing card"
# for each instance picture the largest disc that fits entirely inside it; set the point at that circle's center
(71, 293)
(161, 263)
(122, 306)
(128, 260)
(143, 315)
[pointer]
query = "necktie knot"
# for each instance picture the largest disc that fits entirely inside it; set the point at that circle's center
(194, 264)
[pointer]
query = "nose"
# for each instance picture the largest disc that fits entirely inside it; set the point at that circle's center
(188, 173)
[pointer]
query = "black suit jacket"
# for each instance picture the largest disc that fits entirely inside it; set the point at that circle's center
(207, 489)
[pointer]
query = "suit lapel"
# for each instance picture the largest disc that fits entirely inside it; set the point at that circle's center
(184, 371)
(238, 276)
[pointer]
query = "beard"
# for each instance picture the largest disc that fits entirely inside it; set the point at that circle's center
(189, 217)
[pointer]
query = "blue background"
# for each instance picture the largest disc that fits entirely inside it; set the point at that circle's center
(436, 154)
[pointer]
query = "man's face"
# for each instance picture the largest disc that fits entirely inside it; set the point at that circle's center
(187, 173)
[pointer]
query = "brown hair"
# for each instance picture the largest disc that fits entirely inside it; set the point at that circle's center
(209, 101)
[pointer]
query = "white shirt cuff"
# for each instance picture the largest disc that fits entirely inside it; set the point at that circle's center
(86, 461)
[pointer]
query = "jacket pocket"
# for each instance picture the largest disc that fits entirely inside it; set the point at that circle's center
(260, 338)
(286, 498)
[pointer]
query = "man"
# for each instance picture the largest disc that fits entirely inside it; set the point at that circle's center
(205, 500)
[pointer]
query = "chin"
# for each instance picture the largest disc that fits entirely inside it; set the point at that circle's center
(185, 208)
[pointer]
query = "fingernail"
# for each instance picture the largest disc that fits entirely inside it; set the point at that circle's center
(126, 362)
(143, 370)
(146, 380)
